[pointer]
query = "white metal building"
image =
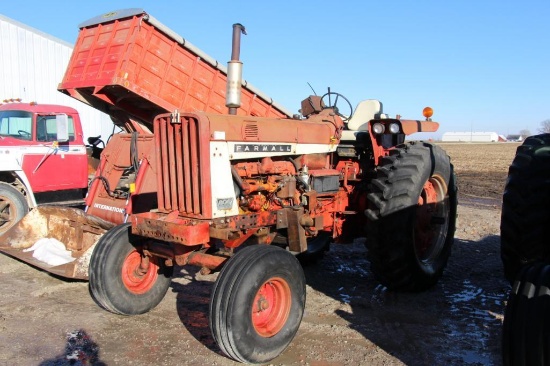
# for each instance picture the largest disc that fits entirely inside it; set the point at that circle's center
(32, 64)
(470, 137)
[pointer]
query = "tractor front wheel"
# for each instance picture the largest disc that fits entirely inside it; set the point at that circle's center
(122, 279)
(257, 303)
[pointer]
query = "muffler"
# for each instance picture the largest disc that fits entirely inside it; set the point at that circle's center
(235, 72)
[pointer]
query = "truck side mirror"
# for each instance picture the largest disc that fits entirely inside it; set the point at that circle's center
(62, 124)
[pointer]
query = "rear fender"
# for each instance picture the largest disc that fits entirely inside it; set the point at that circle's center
(412, 126)
(383, 143)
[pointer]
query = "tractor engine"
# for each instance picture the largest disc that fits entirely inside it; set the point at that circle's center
(282, 182)
(273, 184)
(230, 177)
(265, 185)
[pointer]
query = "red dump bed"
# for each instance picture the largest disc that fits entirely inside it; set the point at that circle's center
(128, 64)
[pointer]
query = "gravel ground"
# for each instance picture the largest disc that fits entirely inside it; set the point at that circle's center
(349, 319)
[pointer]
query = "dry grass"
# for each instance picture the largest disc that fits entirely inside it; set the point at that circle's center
(481, 168)
(489, 157)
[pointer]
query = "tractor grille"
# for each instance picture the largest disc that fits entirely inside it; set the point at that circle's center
(179, 162)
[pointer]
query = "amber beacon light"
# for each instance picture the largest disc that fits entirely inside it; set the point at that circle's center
(428, 112)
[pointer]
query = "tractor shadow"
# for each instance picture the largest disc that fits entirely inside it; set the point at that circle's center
(192, 303)
(458, 321)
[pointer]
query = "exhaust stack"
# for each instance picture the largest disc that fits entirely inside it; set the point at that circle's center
(234, 71)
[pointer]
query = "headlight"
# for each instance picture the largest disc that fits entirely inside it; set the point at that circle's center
(378, 128)
(394, 128)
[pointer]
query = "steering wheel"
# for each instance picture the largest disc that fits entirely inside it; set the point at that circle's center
(334, 105)
(24, 133)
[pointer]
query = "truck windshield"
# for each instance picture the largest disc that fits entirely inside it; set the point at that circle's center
(16, 124)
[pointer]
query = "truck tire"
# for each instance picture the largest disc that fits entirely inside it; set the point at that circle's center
(13, 206)
(316, 247)
(524, 228)
(257, 303)
(525, 329)
(411, 217)
(115, 283)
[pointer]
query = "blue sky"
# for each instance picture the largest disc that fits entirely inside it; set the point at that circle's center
(481, 65)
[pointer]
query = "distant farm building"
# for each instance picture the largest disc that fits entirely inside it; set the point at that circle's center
(514, 138)
(470, 137)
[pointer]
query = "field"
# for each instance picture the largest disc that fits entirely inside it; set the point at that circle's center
(481, 169)
(349, 320)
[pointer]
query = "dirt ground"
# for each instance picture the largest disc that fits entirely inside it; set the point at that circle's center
(349, 319)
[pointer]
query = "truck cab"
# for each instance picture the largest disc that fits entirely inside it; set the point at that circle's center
(42, 156)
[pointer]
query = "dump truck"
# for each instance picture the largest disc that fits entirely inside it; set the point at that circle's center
(251, 192)
(525, 254)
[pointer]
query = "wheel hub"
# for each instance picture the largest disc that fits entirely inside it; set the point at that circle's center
(271, 307)
(6, 214)
(139, 274)
(430, 220)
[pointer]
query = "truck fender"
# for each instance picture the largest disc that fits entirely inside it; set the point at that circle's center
(20, 176)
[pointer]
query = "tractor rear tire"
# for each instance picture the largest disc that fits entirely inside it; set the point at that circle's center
(526, 326)
(13, 206)
(257, 303)
(116, 283)
(411, 217)
(524, 225)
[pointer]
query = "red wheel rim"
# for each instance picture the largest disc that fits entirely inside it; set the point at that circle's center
(135, 278)
(271, 307)
(431, 220)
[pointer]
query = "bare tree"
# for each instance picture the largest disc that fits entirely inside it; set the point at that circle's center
(545, 126)
(524, 133)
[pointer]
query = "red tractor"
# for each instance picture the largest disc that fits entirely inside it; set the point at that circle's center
(253, 191)
(249, 194)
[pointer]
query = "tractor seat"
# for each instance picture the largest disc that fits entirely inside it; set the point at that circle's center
(365, 111)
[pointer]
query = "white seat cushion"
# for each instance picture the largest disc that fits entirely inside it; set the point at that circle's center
(348, 135)
(364, 112)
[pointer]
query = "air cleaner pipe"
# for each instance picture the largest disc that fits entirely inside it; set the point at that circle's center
(234, 71)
